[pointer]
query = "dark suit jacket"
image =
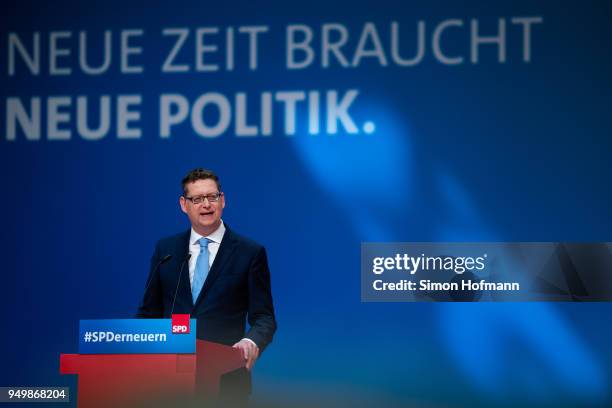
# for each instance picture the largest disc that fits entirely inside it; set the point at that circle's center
(237, 288)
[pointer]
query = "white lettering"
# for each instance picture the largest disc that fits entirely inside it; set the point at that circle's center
(182, 34)
(83, 129)
(327, 46)
(15, 112)
(437, 49)
(252, 32)
(369, 33)
(395, 54)
(266, 114)
(526, 22)
(290, 99)
(127, 50)
(167, 119)
(88, 69)
(55, 117)
(242, 128)
(197, 115)
(125, 116)
(500, 40)
(202, 49)
(339, 111)
(55, 52)
(31, 61)
(304, 46)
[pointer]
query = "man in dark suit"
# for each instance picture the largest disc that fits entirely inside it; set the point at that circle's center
(219, 277)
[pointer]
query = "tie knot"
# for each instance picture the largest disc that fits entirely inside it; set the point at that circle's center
(204, 242)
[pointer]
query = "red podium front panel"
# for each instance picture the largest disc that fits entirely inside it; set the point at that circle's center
(121, 380)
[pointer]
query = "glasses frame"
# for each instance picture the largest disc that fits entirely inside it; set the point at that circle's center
(218, 195)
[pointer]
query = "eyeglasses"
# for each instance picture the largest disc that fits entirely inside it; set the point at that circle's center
(212, 198)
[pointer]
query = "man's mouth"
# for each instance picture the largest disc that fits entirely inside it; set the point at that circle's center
(207, 213)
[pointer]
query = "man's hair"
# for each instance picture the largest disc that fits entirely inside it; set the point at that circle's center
(199, 174)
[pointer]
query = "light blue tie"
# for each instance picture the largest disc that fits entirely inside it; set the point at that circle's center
(201, 270)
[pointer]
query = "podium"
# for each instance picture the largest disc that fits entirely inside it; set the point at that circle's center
(133, 379)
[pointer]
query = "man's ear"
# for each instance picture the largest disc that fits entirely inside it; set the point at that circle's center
(183, 204)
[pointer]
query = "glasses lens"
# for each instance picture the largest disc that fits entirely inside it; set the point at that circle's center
(212, 198)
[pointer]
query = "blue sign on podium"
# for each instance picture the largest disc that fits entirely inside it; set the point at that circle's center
(134, 336)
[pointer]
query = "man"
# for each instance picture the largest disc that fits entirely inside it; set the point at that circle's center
(214, 274)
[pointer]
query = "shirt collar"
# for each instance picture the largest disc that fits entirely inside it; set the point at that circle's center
(216, 236)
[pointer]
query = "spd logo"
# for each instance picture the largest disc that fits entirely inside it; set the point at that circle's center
(180, 323)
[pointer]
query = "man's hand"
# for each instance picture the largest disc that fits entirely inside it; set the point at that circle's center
(250, 352)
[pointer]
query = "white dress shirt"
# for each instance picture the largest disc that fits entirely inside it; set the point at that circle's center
(213, 247)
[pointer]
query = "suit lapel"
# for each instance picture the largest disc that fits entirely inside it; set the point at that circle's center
(226, 248)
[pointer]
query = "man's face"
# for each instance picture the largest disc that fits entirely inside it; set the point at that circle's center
(205, 217)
